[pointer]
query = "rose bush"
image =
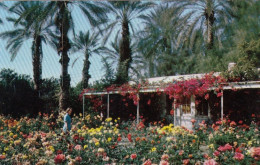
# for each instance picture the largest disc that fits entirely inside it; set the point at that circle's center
(40, 141)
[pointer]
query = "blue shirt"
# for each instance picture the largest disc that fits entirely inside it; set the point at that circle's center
(68, 120)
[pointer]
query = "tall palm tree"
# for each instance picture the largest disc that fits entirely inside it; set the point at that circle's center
(210, 16)
(124, 14)
(158, 37)
(87, 44)
(111, 56)
(39, 33)
(60, 11)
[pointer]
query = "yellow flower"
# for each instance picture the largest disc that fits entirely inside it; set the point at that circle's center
(153, 149)
(109, 139)
(11, 134)
(6, 149)
(115, 120)
(79, 131)
(97, 144)
(250, 143)
(109, 119)
(3, 153)
(85, 146)
(51, 148)
(25, 157)
(211, 146)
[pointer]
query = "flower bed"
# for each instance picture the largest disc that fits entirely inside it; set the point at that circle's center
(92, 141)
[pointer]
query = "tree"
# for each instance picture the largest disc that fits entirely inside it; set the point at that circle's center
(124, 13)
(157, 41)
(39, 33)
(87, 44)
(210, 16)
(60, 12)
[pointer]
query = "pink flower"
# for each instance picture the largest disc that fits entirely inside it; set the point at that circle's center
(186, 161)
(210, 162)
(225, 148)
(78, 159)
(255, 152)
(165, 157)
(59, 158)
(133, 156)
(233, 124)
(238, 156)
(147, 162)
(193, 121)
(78, 147)
(228, 147)
(164, 162)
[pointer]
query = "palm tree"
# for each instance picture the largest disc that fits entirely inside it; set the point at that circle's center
(39, 33)
(210, 16)
(111, 57)
(2, 6)
(124, 14)
(60, 12)
(87, 44)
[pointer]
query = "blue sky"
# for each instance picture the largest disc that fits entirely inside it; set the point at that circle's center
(51, 66)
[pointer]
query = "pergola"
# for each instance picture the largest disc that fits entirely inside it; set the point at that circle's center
(228, 86)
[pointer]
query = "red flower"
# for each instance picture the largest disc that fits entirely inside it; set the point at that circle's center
(219, 94)
(238, 156)
(207, 96)
(59, 158)
(238, 150)
(133, 156)
(119, 139)
(253, 115)
(216, 153)
(240, 122)
(149, 102)
(172, 112)
(129, 136)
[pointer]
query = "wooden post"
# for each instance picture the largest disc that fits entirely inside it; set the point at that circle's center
(108, 105)
(83, 106)
(137, 113)
(222, 104)
(209, 111)
(175, 113)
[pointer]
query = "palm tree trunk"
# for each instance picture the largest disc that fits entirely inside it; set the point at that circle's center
(36, 61)
(64, 46)
(210, 36)
(125, 54)
(85, 71)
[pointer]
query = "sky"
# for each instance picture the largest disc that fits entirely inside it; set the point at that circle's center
(22, 64)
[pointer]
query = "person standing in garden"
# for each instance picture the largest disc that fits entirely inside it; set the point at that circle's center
(67, 121)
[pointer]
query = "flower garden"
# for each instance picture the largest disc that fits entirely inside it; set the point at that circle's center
(111, 141)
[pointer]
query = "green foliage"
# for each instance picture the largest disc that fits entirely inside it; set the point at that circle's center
(244, 70)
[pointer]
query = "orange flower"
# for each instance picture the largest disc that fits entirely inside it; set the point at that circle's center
(193, 141)
(2, 157)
